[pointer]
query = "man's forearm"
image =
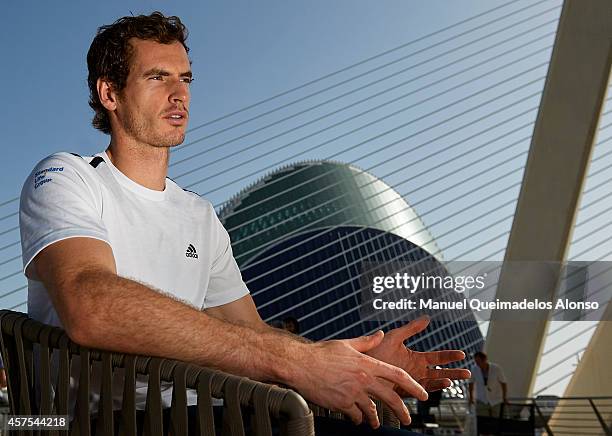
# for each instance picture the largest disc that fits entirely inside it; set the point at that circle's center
(101, 310)
(126, 316)
(263, 327)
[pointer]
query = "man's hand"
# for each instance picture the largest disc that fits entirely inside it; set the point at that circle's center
(421, 366)
(334, 374)
(338, 375)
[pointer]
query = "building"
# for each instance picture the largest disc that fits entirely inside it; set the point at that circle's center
(306, 236)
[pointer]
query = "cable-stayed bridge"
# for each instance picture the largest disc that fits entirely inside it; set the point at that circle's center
(446, 120)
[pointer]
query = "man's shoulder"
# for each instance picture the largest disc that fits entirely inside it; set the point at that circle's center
(495, 366)
(69, 165)
(193, 199)
(60, 161)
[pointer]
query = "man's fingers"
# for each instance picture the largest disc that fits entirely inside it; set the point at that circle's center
(443, 357)
(366, 343)
(435, 384)
(412, 328)
(368, 408)
(453, 374)
(391, 399)
(402, 379)
(354, 413)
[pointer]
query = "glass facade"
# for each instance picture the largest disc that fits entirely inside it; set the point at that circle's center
(313, 195)
(316, 277)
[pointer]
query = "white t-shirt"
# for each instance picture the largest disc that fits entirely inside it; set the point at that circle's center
(492, 392)
(170, 240)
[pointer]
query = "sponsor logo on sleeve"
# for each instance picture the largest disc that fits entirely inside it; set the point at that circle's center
(43, 176)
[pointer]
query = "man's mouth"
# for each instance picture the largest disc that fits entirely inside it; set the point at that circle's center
(176, 118)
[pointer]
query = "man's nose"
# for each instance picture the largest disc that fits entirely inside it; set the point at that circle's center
(180, 93)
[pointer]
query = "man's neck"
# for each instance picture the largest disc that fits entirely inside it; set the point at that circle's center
(145, 165)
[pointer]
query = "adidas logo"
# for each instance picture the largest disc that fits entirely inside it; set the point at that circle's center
(191, 252)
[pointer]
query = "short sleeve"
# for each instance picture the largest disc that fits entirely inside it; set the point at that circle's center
(500, 375)
(225, 284)
(57, 203)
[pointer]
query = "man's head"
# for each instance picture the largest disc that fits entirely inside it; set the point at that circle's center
(481, 359)
(292, 325)
(139, 75)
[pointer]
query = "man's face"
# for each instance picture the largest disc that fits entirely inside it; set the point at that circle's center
(480, 362)
(153, 108)
(290, 326)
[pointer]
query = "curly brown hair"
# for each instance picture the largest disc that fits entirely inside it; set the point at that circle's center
(110, 53)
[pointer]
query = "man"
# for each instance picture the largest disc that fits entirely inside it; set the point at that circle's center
(491, 387)
(123, 259)
(292, 325)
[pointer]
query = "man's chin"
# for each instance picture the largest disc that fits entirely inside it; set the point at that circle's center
(177, 142)
(173, 140)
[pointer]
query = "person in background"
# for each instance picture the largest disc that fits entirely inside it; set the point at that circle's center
(491, 388)
(277, 324)
(292, 325)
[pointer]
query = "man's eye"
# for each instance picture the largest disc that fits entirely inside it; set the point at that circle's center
(156, 77)
(187, 79)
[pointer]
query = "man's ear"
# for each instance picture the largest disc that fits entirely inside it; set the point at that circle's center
(107, 94)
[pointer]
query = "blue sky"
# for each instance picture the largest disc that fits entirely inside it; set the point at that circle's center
(245, 51)
(242, 52)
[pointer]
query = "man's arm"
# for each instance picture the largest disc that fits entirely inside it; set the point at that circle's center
(502, 381)
(241, 311)
(391, 350)
(244, 312)
(504, 391)
(99, 309)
